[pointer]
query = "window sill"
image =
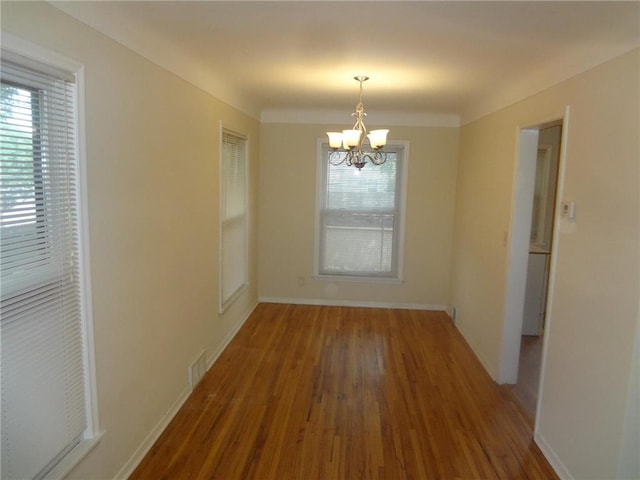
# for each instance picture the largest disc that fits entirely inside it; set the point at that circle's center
(73, 458)
(243, 288)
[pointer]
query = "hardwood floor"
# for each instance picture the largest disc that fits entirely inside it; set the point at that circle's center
(310, 392)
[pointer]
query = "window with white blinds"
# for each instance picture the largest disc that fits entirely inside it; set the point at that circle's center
(233, 217)
(44, 409)
(360, 217)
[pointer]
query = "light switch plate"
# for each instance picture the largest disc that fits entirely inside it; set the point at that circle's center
(569, 210)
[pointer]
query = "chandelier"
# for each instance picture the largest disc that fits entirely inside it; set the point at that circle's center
(348, 146)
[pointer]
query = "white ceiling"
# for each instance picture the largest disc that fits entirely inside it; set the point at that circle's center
(429, 62)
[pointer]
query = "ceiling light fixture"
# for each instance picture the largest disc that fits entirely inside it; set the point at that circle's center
(348, 146)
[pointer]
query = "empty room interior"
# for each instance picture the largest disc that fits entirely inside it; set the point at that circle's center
(454, 295)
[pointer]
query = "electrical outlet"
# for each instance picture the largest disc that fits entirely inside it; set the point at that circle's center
(454, 313)
(301, 281)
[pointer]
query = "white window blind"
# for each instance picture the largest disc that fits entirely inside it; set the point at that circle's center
(359, 216)
(233, 227)
(43, 380)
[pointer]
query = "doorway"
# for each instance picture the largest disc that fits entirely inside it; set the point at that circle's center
(537, 283)
(530, 275)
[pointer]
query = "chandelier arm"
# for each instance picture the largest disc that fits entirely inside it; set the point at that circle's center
(378, 158)
(335, 158)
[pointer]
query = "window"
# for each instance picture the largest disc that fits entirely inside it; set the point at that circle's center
(360, 217)
(233, 217)
(45, 412)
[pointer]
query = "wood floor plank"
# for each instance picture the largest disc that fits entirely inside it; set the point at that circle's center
(313, 392)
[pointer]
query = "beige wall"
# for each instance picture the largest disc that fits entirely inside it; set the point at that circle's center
(287, 219)
(595, 299)
(152, 159)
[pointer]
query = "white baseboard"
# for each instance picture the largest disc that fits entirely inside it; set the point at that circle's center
(211, 359)
(153, 435)
(561, 470)
(477, 353)
(329, 302)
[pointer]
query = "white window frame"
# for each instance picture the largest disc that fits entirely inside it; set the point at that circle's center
(30, 54)
(321, 178)
(227, 302)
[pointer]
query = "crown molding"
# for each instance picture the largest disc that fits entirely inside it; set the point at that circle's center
(407, 119)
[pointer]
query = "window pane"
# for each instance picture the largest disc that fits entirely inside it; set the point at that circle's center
(372, 188)
(18, 169)
(234, 176)
(233, 258)
(25, 250)
(356, 243)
